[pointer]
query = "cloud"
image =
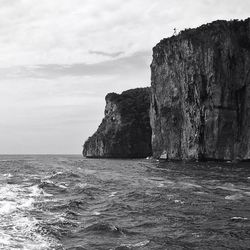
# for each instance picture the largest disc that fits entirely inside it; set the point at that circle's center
(126, 65)
(131, 64)
(102, 53)
(64, 32)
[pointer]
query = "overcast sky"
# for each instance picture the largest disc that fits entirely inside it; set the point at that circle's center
(59, 58)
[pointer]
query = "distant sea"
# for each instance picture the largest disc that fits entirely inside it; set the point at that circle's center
(68, 202)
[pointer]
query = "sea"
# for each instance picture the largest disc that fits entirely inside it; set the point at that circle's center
(67, 202)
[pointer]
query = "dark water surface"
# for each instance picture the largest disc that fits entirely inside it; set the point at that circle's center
(67, 202)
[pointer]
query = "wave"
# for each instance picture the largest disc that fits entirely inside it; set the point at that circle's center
(76, 204)
(133, 245)
(19, 228)
(15, 197)
(105, 228)
(88, 190)
(9, 175)
(123, 247)
(69, 206)
(76, 248)
(187, 185)
(238, 218)
(229, 187)
(116, 207)
(234, 197)
(52, 187)
(57, 227)
(63, 175)
(71, 214)
(112, 194)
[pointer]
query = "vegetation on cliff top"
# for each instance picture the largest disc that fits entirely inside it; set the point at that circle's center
(213, 30)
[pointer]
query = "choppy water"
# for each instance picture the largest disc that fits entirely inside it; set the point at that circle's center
(67, 202)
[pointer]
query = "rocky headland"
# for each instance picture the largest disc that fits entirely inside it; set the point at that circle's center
(125, 131)
(200, 82)
(199, 101)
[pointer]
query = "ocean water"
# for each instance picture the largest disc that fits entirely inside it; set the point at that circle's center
(68, 202)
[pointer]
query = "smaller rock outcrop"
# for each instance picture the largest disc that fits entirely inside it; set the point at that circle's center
(125, 131)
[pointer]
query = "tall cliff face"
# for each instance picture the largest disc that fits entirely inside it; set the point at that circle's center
(125, 131)
(200, 106)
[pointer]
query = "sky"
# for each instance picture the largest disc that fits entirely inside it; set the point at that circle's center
(59, 58)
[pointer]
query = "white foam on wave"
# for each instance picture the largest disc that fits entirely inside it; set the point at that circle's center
(247, 193)
(45, 180)
(58, 173)
(46, 194)
(4, 239)
(179, 201)
(8, 199)
(28, 203)
(35, 191)
(7, 207)
(187, 185)
(239, 218)
(13, 197)
(112, 194)
(89, 171)
(200, 193)
(62, 185)
(18, 229)
(234, 197)
(138, 244)
(81, 185)
(160, 182)
(229, 187)
(141, 244)
(23, 234)
(9, 175)
(54, 175)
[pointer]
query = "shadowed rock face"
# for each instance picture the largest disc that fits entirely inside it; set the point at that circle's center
(125, 131)
(200, 105)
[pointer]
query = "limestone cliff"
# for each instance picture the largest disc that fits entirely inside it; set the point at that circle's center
(200, 82)
(125, 131)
